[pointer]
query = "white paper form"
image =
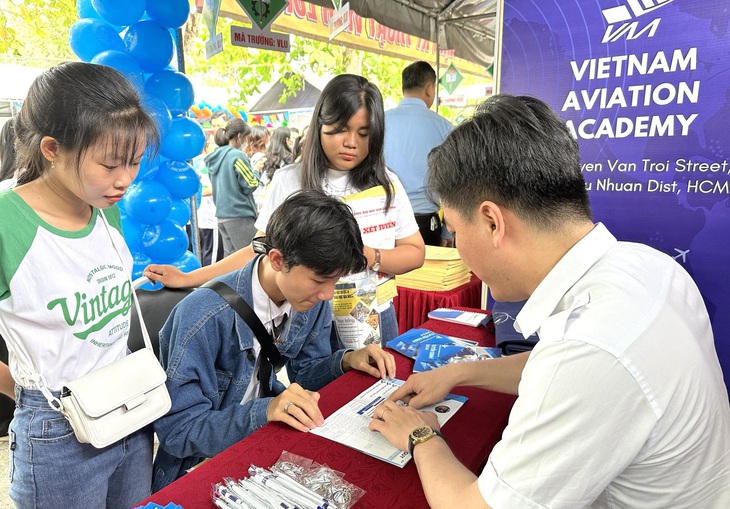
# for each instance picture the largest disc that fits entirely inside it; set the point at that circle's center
(349, 424)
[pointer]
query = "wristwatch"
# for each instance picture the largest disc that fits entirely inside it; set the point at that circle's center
(420, 435)
(376, 264)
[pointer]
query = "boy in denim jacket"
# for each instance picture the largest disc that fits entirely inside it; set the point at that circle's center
(210, 354)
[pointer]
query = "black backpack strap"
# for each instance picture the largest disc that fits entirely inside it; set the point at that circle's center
(240, 306)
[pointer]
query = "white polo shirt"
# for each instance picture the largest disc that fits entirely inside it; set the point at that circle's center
(622, 402)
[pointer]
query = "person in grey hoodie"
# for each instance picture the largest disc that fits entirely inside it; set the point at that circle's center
(234, 183)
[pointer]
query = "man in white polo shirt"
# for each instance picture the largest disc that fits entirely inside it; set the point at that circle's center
(622, 403)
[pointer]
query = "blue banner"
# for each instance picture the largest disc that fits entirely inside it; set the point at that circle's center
(644, 86)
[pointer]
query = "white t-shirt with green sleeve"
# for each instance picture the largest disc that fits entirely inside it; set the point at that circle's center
(65, 296)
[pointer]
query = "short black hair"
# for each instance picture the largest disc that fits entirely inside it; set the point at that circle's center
(318, 232)
(518, 153)
(417, 75)
(219, 114)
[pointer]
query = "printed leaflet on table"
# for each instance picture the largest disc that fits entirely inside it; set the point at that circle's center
(470, 318)
(432, 356)
(409, 342)
(349, 424)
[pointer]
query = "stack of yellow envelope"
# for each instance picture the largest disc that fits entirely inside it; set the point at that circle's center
(442, 270)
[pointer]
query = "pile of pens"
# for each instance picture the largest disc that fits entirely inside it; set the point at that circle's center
(292, 483)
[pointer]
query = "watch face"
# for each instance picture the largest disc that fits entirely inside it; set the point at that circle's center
(422, 432)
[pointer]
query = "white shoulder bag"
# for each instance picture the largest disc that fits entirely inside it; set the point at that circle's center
(112, 402)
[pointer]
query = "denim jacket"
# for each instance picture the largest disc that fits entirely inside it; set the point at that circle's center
(207, 352)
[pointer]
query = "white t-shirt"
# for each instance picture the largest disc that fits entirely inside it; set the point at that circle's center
(65, 296)
(336, 183)
(287, 181)
(622, 402)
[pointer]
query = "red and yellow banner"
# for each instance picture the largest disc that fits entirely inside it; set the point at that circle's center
(311, 21)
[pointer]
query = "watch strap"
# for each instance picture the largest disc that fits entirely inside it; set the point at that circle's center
(412, 443)
(376, 262)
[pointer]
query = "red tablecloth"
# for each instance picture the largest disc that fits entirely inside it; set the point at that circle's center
(412, 306)
(471, 433)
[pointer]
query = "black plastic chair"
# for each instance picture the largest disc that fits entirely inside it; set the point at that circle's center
(156, 306)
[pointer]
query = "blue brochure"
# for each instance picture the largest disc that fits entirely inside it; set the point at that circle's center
(409, 342)
(431, 356)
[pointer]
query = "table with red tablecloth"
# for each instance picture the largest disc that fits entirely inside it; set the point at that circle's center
(412, 306)
(471, 433)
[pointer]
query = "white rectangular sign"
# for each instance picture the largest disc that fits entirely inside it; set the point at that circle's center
(214, 45)
(262, 39)
(339, 21)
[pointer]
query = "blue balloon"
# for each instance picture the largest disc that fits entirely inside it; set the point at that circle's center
(185, 140)
(123, 63)
(164, 242)
(169, 13)
(179, 178)
(180, 213)
(132, 231)
(119, 12)
(187, 262)
(172, 88)
(147, 167)
(157, 109)
(89, 36)
(150, 44)
(148, 202)
(86, 10)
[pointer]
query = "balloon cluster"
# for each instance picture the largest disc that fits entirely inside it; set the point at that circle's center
(203, 111)
(136, 38)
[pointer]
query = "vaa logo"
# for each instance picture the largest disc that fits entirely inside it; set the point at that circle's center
(620, 18)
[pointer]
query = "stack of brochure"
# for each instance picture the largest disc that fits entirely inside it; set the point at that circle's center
(442, 270)
(431, 350)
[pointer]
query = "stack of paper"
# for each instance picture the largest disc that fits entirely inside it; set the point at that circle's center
(442, 270)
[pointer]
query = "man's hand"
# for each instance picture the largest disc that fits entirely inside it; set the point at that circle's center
(446, 242)
(168, 275)
(395, 422)
(372, 360)
(296, 407)
(425, 388)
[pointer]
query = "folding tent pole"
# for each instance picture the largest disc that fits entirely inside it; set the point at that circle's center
(194, 233)
(438, 67)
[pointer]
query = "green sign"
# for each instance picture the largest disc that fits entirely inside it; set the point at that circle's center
(451, 79)
(262, 12)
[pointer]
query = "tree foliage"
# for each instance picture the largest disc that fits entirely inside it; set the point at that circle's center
(35, 33)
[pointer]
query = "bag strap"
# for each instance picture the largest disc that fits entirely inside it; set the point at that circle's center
(240, 306)
(139, 282)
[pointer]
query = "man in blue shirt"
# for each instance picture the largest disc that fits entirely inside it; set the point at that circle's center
(214, 364)
(411, 131)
